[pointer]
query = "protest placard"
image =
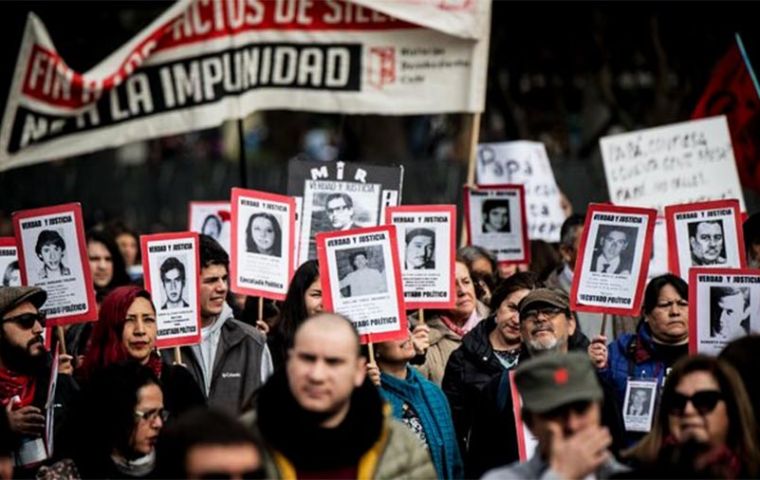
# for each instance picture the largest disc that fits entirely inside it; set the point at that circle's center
(341, 196)
(9, 268)
(724, 304)
(613, 260)
(525, 163)
(705, 234)
(426, 241)
(361, 279)
(52, 255)
(495, 219)
(684, 162)
(526, 441)
(638, 404)
(212, 219)
(172, 276)
(263, 234)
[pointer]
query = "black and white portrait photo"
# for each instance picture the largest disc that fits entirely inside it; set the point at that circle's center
(729, 312)
(263, 234)
(638, 403)
(361, 271)
(496, 216)
(707, 243)
(614, 249)
(12, 275)
(211, 218)
(51, 251)
(173, 281)
(212, 226)
(420, 249)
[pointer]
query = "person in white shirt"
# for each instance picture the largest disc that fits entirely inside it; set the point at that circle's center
(363, 280)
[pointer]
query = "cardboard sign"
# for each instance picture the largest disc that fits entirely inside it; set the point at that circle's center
(201, 63)
(361, 279)
(495, 219)
(638, 404)
(263, 237)
(341, 196)
(212, 219)
(707, 234)
(53, 256)
(724, 304)
(426, 239)
(10, 270)
(613, 260)
(526, 441)
(680, 163)
(525, 163)
(172, 276)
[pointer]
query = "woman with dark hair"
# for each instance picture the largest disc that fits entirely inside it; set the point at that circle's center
(126, 330)
(661, 338)
(488, 349)
(129, 246)
(304, 299)
(106, 262)
(263, 235)
(704, 426)
(113, 426)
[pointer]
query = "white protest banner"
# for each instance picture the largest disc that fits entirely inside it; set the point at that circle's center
(53, 256)
(201, 63)
(638, 404)
(525, 163)
(680, 163)
(263, 235)
(426, 241)
(495, 219)
(10, 272)
(361, 279)
(705, 234)
(212, 219)
(172, 275)
(613, 259)
(724, 304)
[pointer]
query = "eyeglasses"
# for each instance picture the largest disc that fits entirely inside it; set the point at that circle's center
(151, 415)
(337, 209)
(678, 303)
(549, 312)
(27, 320)
(704, 402)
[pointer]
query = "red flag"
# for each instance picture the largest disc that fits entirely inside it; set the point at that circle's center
(732, 93)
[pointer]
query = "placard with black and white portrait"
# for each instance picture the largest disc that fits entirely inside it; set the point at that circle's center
(10, 271)
(212, 219)
(173, 282)
(52, 255)
(706, 234)
(638, 404)
(496, 219)
(361, 271)
(724, 305)
(613, 259)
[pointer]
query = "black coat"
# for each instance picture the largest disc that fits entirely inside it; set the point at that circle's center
(469, 369)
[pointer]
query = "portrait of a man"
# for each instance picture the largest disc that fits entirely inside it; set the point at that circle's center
(420, 249)
(12, 275)
(51, 249)
(496, 216)
(173, 282)
(729, 312)
(638, 403)
(363, 280)
(706, 243)
(339, 208)
(613, 253)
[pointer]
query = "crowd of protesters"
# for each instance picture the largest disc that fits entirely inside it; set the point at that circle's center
(296, 395)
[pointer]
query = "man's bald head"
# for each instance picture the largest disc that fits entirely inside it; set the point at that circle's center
(333, 322)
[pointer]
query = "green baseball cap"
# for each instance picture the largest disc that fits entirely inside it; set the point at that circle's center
(549, 296)
(550, 381)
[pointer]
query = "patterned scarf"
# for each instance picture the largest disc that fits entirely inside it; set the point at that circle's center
(12, 384)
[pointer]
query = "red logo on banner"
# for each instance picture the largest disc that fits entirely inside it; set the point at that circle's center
(382, 66)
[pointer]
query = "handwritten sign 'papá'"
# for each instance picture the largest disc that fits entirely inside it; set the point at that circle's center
(525, 163)
(679, 163)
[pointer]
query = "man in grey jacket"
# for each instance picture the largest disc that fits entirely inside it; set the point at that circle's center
(232, 361)
(561, 400)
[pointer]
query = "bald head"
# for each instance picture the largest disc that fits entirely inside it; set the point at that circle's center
(324, 367)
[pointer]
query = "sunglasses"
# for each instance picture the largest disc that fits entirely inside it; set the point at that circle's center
(27, 320)
(704, 402)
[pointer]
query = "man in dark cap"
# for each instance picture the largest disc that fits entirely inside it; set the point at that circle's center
(25, 370)
(562, 403)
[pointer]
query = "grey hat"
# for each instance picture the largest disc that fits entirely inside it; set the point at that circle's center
(549, 381)
(12, 297)
(548, 296)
